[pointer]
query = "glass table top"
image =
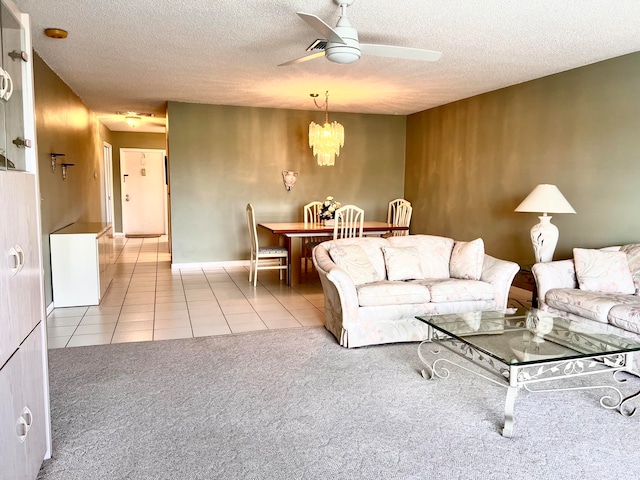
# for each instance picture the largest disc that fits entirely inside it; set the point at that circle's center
(521, 337)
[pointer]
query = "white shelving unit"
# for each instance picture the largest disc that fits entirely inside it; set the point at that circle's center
(81, 260)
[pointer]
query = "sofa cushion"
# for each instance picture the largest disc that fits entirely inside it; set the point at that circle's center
(435, 253)
(592, 305)
(626, 317)
(467, 259)
(402, 263)
(372, 246)
(457, 290)
(353, 260)
(633, 260)
(392, 293)
(602, 271)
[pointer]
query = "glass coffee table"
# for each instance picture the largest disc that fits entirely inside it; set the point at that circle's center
(529, 349)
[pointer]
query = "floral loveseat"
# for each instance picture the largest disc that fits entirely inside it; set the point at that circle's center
(597, 289)
(374, 287)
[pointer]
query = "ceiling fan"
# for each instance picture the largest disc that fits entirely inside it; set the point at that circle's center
(341, 45)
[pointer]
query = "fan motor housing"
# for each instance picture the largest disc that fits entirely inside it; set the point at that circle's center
(344, 53)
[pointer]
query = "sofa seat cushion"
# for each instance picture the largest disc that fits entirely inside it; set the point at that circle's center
(626, 317)
(392, 293)
(457, 290)
(592, 305)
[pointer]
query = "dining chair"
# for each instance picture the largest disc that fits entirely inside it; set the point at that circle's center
(258, 253)
(393, 205)
(311, 216)
(402, 217)
(349, 222)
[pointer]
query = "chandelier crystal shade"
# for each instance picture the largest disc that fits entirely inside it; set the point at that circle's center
(326, 140)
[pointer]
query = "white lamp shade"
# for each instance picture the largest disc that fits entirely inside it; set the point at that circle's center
(545, 199)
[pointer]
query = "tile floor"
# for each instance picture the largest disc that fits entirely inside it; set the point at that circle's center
(148, 301)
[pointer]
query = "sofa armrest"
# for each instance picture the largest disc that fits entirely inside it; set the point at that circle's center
(558, 274)
(340, 295)
(499, 273)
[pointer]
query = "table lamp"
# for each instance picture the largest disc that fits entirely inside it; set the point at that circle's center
(544, 235)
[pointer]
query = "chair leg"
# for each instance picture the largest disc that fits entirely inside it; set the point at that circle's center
(251, 268)
(255, 274)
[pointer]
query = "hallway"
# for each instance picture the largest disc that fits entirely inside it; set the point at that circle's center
(148, 301)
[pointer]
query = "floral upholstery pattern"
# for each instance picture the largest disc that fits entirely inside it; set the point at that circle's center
(633, 260)
(602, 271)
(392, 293)
(458, 290)
(403, 263)
(466, 259)
(591, 305)
(354, 260)
(626, 317)
(435, 253)
(372, 247)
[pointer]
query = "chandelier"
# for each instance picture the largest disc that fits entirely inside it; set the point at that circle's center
(326, 140)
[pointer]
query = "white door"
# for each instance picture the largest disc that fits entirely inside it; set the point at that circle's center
(143, 191)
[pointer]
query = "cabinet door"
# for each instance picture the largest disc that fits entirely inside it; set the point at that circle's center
(20, 240)
(13, 58)
(32, 360)
(12, 450)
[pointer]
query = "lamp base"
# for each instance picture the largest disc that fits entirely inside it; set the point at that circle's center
(544, 237)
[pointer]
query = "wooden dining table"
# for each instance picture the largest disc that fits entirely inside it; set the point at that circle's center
(294, 232)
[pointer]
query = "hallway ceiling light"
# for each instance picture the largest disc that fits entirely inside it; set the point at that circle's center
(56, 33)
(133, 120)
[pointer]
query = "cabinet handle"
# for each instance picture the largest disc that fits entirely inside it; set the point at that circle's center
(9, 90)
(28, 417)
(4, 83)
(18, 254)
(21, 429)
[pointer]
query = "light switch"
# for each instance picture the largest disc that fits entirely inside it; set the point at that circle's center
(143, 172)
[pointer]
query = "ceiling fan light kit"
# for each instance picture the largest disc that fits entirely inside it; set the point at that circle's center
(342, 45)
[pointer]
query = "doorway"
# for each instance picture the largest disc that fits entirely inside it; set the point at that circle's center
(144, 191)
(107, 159)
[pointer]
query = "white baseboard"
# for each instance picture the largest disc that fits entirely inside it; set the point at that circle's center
(49, 309)
(191, 266)
(118, 234)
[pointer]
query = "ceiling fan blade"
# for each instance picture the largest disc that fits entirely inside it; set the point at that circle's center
(400, 52)
(321, 27)
(302, 59)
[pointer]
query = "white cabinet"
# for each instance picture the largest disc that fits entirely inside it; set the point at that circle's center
(81, 263)
(25, 438)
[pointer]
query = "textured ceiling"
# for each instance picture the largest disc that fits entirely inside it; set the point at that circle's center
(124, 55)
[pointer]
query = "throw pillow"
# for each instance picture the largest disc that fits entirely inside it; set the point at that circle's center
(633, 260)
(353, 259)
(602, 271)
(467, 259)
(403, 263)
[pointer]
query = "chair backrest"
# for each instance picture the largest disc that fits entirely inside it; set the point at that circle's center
(251, 223)
(402, 218)
(349, 222)
(393, 205)
(312, 213)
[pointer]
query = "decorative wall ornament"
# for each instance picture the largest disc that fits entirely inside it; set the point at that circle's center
(289, 178)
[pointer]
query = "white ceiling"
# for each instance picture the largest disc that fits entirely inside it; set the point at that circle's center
(124, 55)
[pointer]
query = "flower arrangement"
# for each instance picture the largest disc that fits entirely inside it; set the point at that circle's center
(328, 209)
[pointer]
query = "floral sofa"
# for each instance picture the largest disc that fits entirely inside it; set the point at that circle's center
(598, 289)
(374, 287)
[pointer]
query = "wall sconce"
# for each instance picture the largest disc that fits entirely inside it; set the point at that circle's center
(54, 160)
(64, 169)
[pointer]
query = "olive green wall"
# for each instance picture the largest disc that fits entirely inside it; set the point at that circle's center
(470, 163)
(129, 140)
(65, 125)
(223, 157)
